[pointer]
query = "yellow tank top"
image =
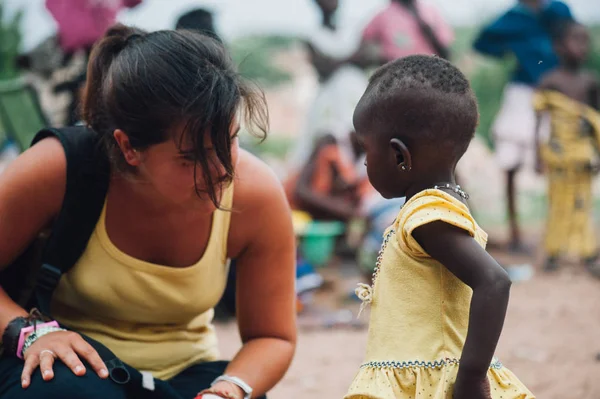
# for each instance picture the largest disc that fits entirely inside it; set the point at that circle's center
(154, 318)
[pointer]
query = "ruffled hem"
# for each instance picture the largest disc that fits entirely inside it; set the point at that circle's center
(427, 380)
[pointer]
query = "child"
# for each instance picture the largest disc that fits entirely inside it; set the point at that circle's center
(570, 94)
(524, 32)
(438, 299)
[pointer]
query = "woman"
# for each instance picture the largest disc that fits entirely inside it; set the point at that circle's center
(182, 199)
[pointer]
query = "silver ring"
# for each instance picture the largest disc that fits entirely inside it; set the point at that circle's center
(48, 351)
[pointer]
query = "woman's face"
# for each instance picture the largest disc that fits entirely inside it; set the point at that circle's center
(175, 177)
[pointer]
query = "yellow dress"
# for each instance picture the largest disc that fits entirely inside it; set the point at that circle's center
(568, 156)
(420, 313)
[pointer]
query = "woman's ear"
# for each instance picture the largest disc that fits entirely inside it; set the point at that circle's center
(131, 155)
(402, 154)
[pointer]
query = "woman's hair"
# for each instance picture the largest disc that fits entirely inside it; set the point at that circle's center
(150, 85)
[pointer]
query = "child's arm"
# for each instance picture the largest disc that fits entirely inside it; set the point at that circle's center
(545, 84)
(466, 259)
(539, 165)
(594, 92)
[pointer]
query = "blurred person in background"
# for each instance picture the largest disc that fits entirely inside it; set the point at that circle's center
(199, 19)
(570, 94)
(80, 24)
(523, 32)
(409, 27)
(323, 180)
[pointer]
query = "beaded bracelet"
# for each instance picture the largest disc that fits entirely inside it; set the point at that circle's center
(37, 334)
(12, 332)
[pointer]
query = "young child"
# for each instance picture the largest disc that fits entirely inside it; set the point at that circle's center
(438, 300)
(523, 32)
(571, 96)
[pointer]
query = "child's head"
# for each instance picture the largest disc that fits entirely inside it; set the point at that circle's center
(328, 7)
(415, 121)
(572, 42)
(198, 19)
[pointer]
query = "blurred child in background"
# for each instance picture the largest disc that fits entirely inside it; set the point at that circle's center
(524, 32)
(570, 95)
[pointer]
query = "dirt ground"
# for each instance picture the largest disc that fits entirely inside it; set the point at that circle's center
(551, 338)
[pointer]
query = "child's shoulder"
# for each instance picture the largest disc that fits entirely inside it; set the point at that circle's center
(434, 205)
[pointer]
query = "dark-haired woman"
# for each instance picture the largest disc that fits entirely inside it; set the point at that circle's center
(182, 199)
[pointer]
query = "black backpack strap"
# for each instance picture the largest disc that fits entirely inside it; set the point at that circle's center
(88, 175)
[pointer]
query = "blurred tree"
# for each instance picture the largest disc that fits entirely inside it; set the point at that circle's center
(254, 56)
(10, 42)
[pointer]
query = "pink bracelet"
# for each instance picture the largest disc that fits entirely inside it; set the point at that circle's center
(29, 329)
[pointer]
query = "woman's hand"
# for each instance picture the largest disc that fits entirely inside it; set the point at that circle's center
(472, 388)
(69, 347)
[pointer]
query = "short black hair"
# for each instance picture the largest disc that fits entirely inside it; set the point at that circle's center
(200, 20)
(423, 98)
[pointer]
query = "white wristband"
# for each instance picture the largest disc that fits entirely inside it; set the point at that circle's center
(236, 381)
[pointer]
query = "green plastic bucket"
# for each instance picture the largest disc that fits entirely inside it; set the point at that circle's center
(318, 241)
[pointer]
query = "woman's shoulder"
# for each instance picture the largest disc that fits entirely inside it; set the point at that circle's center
(41, 168)
(255, 181)
(32, 189)
(260, 207)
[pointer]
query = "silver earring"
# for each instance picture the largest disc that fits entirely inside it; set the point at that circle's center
(404, 167)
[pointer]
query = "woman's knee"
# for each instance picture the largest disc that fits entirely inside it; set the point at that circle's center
(64, 385)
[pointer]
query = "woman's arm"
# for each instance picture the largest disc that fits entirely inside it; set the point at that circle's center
(466, 259)
(31, 194)
(266, 264)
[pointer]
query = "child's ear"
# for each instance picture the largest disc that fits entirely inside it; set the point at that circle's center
(402, 153)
